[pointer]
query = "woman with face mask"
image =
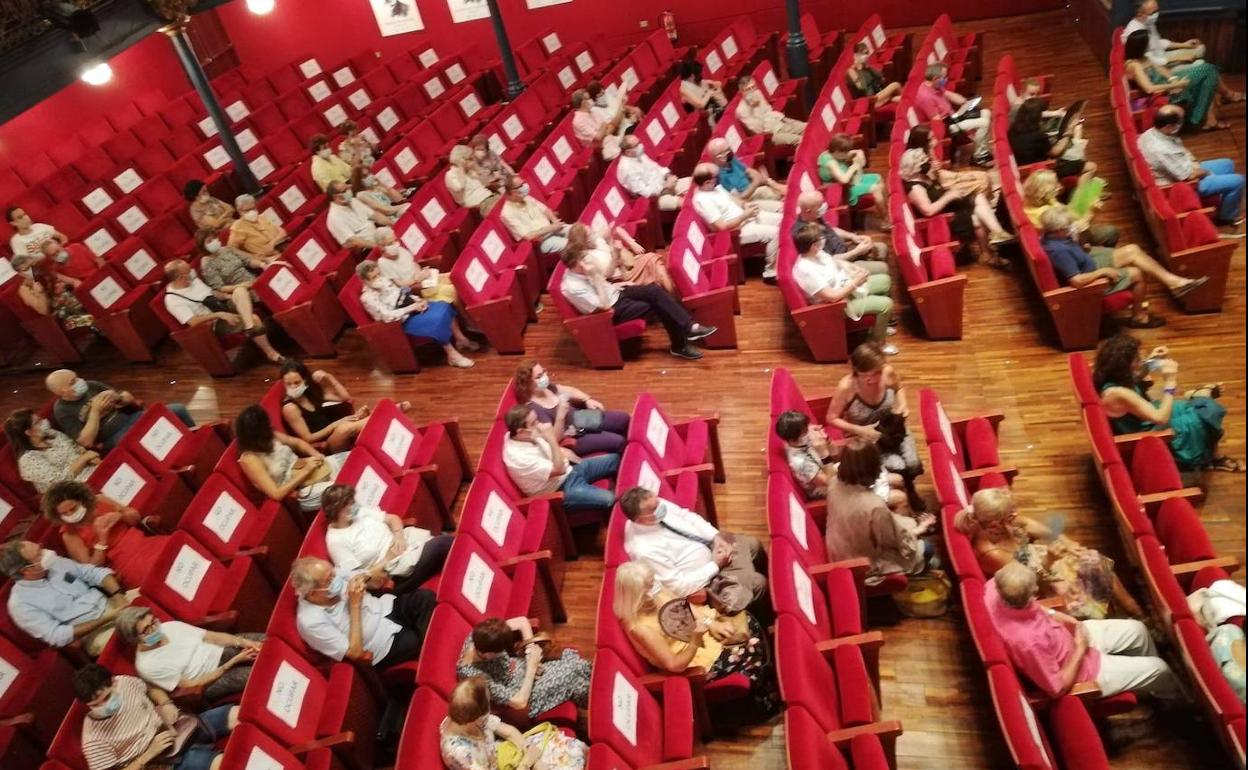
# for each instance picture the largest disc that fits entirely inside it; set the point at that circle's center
(327, 167)
(487, 165)
(44, 454)
(317, 408)
(525, 682)
(254, 235)
(867, 81)
(972, 222)
(471, 738)
(206, 210)
(468, 182)
(379, 197)
(97, 530)
(386, 302)
(1082, 577)
(43, 291)
(591, 427)
(845, 165)
(355, 147)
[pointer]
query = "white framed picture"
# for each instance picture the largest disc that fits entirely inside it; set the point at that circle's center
(468, 10)
(395, 17)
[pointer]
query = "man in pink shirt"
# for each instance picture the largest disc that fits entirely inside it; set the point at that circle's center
(1055, 651)
(934, 102)
(590, 128)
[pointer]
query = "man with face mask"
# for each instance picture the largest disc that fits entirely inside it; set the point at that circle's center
(327, 167)
(934, 100)
(28, 235)
(645, 178)
(823, 278)
(721, 212)
(60, 601)
(757, 115)
(745, 184)
(72, 262)
(1171, 162)
(254, 234)
(92, 412)
(129, 725)
(464, 179)
(400, 265)
(352, 222)
(842, 244)
(528, 219)
(686, 552)
(187, 299)
(591, 129)
(339, 618)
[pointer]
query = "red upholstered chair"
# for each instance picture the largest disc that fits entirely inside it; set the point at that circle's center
(420, 742)
(823, 325)
(1021, 728)
(290, 700)
(44, 329)
(624, 715)
(435, 450)
(123, 478)
(136, 262)
(305, 307)
(405, 494)
(1215, 693)
(1081, 379)
(122, 313)
(984, 634)
(708, 291)
(954, 486)
(200, 342)
(35, 691)
(638, 468)
(506, 531)
(963, 561)
(1076, 312)
(1132, 517)
(596, 334)
(972, 442)
(827, 599)
(1152, 467)
(249, 748)
(188, 582)
(502, 253)
(689, 444)
(13, 511)
(431, 252)
(479, 588)
(1192, 247)
(164, 445)
(312, 254)
(386, 339)
(66, 747)
(925, 257)
(808, 748)
(494, 300)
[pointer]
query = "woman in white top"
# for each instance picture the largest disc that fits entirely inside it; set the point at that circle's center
(44, 454)
(369, 540)
(464, 183)
(400, 265)
(701, 95)
(280, 465)
(173, 655)
(621, 258)
(823, 278)
(370, 191)
(385, 301)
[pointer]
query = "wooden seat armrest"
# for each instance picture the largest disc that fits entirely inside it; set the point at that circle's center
(338, 739)
(713, 416)
(25, 719)
(521, 558)
(261, 551)
(654, 681)
(1194, 493)
(858, 566)
(1130, 438)
(1207, 211)
(692, 763)
(943, 245)
(701, 468)
(1088, 692)
(994, 418)
(1228, 563)
(192, 694)
(550, 497)
(890, 728)
(870, 639)
(1009, 471)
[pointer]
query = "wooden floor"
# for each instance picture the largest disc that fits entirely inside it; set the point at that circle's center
(931, 680)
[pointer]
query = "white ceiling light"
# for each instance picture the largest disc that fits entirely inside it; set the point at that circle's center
(260, 7)
(97, 75)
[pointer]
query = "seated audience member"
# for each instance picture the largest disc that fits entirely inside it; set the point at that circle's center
(317, 408)
(28, 236)
(464, 182)
(381, 198)
(538, 465)
(688, 555)
(935, 102)
(588, 289)
(745, 183)
(72, 263)
(824, 278)
(867, 81)
(351, 221)
(592, 426)
(43, 291)
(812, 460)
(470, 738)
(206, 210)
(861, 524)
(842, 244)
(1040, 193)
(592, 129)
(720, 644)
(1172, 162)
(327, 166)
(1123, 267)
(843, 164)
(44, 454)
(400, 265)
(130, 726)
(339, 618)
(759, 117)
(99, 531)
(720, 212)
(1030, 143)
(1032, 89)
(1178, 56)
(377, 544)
(435, 320)
(1125, 381)
(1194, 90)
(354, 148)
(1082, 577)
(227, 270)
(191, 302)
(972, 219)
(529, 219)
(621, 258)
(1055, 651)
(698, 94)
(968, 181)
(487, 165)
(172, 654)
(91, 412)
(60, 601)
(254, 235)
(605, 106)
(506, 656)
(278, 465)
(645, 178)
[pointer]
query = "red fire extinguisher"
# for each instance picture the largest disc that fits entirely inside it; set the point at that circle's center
(667, 20)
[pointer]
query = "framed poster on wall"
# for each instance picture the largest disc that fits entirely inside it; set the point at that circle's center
(544, 3)
(468, 10)
(394, 17)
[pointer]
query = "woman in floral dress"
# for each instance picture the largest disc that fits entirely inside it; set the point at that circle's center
(524, 683)
(471, 737)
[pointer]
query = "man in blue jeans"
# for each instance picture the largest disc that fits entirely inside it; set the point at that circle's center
(1171, 162)
(129, 724)
(538, 465)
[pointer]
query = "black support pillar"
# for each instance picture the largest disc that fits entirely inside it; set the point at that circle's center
(514, 85)
(798, 54)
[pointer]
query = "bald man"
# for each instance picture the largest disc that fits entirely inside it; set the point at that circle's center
(722, 212)
(93, 413)
(842, 244)
(1171, 162)
(645, 178)
(747, 185)
(1055, 651)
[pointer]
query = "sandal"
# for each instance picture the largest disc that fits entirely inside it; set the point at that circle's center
(1190, 287)
(1221, 125)
(1236, 97)
(998, 263)
(1227, 464)
(1149, 322)
(1208, 390)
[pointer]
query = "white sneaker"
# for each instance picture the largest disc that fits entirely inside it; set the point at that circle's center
(890, 349)
(890, 331)
(461, 362)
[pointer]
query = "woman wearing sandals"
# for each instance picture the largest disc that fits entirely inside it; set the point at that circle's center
(972, 219)
(100, 531)
(1124, 382)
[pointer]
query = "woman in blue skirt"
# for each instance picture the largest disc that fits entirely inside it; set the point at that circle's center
(385, 301)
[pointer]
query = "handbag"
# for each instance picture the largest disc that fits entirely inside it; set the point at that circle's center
(587, 420)
(550, 650)
(510, 756)
(925, 596)
(405, 299)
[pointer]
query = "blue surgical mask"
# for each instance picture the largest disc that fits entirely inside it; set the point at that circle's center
(338, 585)
(542, 382)
(660, 513)
(524, 189)
(109, 708)
(155, 637)
(942, 82)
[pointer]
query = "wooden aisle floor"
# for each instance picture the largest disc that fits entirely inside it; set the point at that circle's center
(932, 681)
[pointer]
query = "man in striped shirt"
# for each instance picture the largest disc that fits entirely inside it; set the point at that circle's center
(131, 727)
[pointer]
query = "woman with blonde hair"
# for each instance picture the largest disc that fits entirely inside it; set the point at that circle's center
(1081, 576)
(464, 183)
(621, 258)
(592, 427)
(1040, 193)
(719, 644)
(973, 220)
(474, 739)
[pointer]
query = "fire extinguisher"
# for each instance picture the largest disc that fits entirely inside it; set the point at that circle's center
(667, 20)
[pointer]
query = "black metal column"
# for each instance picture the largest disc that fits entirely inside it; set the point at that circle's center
(798, 54)
(514, 85)
(199, 80)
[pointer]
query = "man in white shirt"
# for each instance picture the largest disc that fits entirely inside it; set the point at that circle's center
(757, 115)
(645, 178)
(28, 237)
(539, 466)
(587, 289)
(528, 219)
(339, 618)
(721, 212)
(685, 551)
(1171, 162)
(352, 223)
(1176, 56)
(824, 278)
(186, 297)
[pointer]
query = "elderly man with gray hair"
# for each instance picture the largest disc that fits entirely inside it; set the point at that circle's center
(842, 244)
(192, 302)
(93, 412)
(339, 618)
(253, 234)
(645, 178)
(721, 212)
(1055, 651)
(172, 654)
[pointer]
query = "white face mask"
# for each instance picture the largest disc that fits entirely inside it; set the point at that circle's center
(297, 391)
(61, 257)
(1153, 17)
(347, 197)
(542, 382)
(74, 516)
(251, 216)
(391, 248)
(377, 283)
(80, 388)
(43, 426)
(823, 209)
(46, 557)
(370, 181)
(326, 153)
(660, 512)
(212, 247)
